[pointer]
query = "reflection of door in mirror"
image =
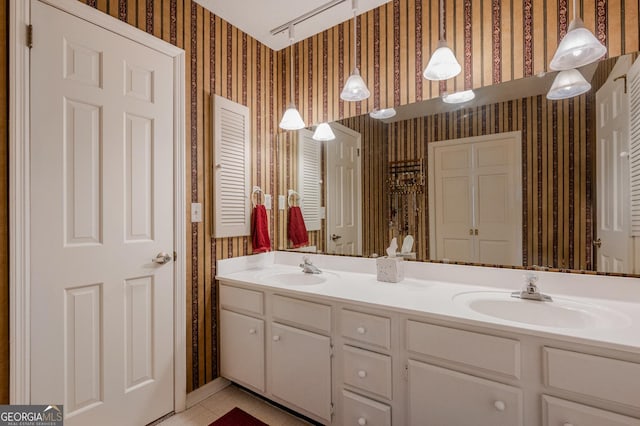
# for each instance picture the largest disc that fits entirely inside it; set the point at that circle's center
(613, 242)
(344, 205)
(476, 202)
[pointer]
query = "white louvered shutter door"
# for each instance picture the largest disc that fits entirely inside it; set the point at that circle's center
(310, 179)
(633, 85)
(231, 169)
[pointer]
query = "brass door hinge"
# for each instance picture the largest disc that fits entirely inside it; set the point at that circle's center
(29, 36)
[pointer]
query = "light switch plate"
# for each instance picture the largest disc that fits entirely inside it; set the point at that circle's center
(323, 212)
(267, 201)
(281, 202)
(196, 212)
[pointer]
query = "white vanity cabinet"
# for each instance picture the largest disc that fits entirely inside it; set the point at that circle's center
(242, 337)
(278, 346)
(439, 396)
(299, 362)
(344, 362)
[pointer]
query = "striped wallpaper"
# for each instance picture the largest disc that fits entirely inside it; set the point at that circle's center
(494, 40)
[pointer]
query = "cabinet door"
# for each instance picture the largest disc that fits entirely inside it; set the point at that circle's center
(242, 349)
(438, 396)
(300, 370)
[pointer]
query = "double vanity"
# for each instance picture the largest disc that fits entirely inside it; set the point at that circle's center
(448, 345)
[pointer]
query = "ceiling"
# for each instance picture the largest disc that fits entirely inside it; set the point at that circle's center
(265, 16)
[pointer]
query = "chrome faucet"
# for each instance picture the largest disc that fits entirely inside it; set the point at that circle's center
(308, 267)
(530, 290)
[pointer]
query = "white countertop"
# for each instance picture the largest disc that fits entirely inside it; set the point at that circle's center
(431, 297)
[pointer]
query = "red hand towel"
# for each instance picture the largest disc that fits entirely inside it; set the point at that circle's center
(297, 231)
(260, 230)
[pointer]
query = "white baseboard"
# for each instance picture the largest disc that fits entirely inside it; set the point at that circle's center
(206, 391)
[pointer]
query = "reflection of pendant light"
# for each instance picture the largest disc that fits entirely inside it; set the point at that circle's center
(568, 84)
(578, 47)
(323, 133)
(443, 64)
(381, 114)
(458, 97)
(355, 88)
(291, 120)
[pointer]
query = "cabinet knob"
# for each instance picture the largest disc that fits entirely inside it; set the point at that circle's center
(361, 330)
(362, 421)
(252, 331)
(362, 374)
(276, 338)
(500, 406)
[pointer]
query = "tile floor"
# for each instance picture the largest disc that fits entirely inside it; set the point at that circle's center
(217, 405)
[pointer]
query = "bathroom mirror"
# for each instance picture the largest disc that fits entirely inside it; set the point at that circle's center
(413, 181)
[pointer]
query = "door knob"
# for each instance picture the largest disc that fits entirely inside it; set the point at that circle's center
(162, 258)
(597, 243)
(335, 237)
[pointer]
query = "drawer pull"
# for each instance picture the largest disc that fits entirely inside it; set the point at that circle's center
(362, 374)
(567, 424)
(361, 330)
(500, 406)
(362, 421)
(276, 338)
(252, 331)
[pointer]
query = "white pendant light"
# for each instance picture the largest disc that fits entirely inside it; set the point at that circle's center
(291, 120)
(381, 114)
(443, 64)
(458, 97)
(568, 83)
(578, 47)
(323, 133)
(355, 89)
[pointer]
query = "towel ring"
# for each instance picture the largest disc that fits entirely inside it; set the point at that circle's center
(295, 196)
(256, 192)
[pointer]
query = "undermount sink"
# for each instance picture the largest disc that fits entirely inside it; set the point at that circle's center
(560, 313)
(295, 278)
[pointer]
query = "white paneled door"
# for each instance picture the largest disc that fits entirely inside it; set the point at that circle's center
(613, 245)
(344, 192)
(101, 210)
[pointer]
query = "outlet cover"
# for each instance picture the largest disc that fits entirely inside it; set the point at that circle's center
(267, 201)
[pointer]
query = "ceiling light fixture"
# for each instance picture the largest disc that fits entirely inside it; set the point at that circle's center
(568, 83)
(578, 47)
(443, 64)
(355, 89)
(381, 114)
(291, 120)
(323, 133)
(458, 97)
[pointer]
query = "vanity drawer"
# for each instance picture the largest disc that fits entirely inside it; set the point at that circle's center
(309, 315)
(560, 412)
(242, 299)
(491, 353)
(366, 328)
(438, 396)
(358, 410)
(367, 370)
(604, 378)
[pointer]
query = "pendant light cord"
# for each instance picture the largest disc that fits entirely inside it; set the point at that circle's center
(355, 27)
(442, 19)
(291, 60)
